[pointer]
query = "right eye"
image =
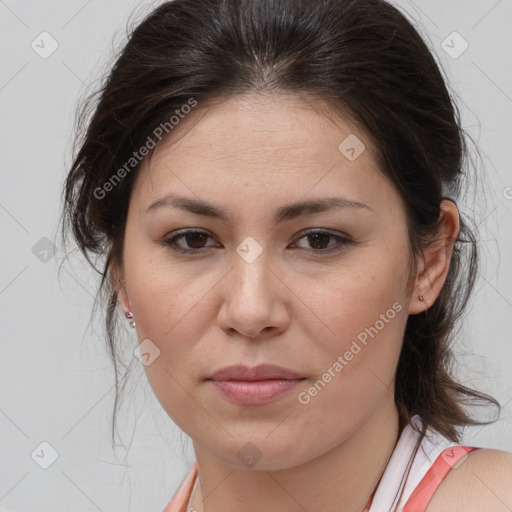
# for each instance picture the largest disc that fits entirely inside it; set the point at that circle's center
(193, 239)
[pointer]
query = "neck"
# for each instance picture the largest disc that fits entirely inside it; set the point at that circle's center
(343, 478)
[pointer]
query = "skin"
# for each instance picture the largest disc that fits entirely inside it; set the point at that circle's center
(291, 307)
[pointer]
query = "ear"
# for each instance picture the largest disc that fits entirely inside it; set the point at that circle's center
(117, 282)
(435, 265)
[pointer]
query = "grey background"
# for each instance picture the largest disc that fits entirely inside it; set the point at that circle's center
(56, 380)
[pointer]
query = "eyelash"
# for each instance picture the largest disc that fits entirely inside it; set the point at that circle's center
(342, 242)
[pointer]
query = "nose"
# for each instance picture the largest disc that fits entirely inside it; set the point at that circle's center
(254, 300)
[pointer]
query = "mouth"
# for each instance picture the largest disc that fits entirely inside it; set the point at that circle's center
(256, 392)
(259, 385)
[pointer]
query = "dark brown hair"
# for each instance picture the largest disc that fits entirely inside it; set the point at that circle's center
(359, 56)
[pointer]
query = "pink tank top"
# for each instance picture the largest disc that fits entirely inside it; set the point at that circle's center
(415, 470)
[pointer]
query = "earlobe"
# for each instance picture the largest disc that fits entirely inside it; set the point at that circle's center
(117, 282)
(123, 299)
(437, 260)
(418, 303)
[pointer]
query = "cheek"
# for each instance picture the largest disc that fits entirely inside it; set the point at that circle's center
(363, 313)
(163, 293)
(356, 358)
(354, 295)
(363, 335)
(165, 301)
(166, 313)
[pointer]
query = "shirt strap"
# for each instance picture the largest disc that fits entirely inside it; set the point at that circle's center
(449, 458)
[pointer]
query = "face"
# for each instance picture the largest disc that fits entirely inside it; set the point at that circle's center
(321, 291)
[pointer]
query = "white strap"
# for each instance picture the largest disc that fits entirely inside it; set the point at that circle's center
(403, 473)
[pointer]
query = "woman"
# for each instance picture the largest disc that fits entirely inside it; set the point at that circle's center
(273, 186)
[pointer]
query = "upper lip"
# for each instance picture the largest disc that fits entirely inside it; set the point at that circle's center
(260, 372)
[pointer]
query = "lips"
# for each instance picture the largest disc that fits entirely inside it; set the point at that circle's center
(262, 372)
(259, 385)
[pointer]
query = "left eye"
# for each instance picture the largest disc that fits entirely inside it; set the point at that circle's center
(319, 240)
(195, 241)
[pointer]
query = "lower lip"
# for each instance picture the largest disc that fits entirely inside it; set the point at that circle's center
(257, 392)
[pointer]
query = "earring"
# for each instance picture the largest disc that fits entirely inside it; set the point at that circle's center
(421, 298)
(129, 315)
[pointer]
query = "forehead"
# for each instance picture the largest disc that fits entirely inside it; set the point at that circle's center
(281, 145)
(277, 125)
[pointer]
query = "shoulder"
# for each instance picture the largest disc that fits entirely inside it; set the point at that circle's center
(482, 481)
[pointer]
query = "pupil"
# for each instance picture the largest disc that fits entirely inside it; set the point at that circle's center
(317, 237)
(196, 237)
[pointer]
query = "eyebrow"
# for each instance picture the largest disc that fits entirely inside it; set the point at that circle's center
(287, 212)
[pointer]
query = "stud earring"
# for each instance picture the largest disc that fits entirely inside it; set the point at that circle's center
(421, 298)
(129, 316)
